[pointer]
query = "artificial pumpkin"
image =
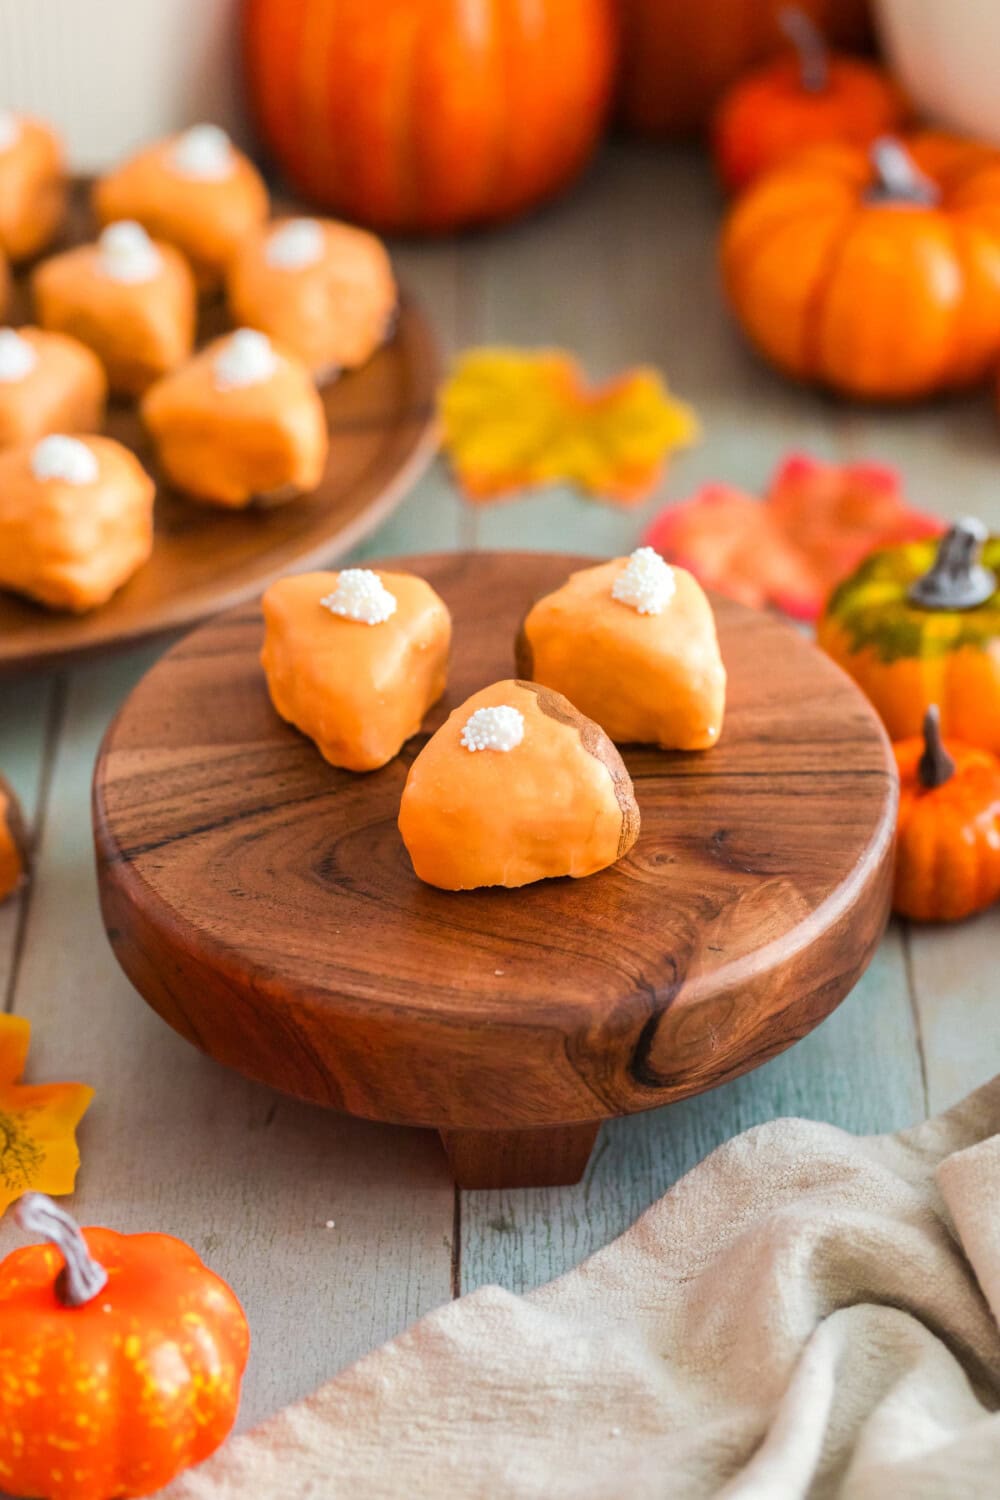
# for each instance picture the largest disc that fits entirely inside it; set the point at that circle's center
(803, 99)
(429, 114)
(920, 624)
(122, 1360)
(948, 838)
(678, 56)
(875, 272)
(13, 842)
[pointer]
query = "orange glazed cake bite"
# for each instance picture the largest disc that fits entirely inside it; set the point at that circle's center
(48, 383)
(355, 659)
(32, 185)
(242, 421)
(130, 299)
(76, 520)
(633, 644)
(323, 289)
(194, 190)
(516, 786)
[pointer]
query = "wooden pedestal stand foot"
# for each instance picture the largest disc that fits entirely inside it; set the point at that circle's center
(553, 1157)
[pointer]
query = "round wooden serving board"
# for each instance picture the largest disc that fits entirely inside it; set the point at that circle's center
(264, 904)
(205, 559)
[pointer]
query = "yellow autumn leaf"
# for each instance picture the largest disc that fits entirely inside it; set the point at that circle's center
(38, 1148)
(513, 419)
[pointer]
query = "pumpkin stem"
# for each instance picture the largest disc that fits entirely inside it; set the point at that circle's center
(807, 39)
(956, 579)
(898, 179)
(82, 1277)
(935, 766)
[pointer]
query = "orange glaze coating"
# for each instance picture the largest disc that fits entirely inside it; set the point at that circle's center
(207, 219)
(71, 546)
(116, 1397)
(13, 842)
(333, 314)
(360, 691)
(229, 447)
(32, 190)
(559, 803)
(646, 679)
(138, 330)
(65, 392)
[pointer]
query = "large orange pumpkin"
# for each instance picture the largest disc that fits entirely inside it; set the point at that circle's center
(678, 56)
(429, 114)
(873, 271)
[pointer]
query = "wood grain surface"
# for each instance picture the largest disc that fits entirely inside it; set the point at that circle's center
(264, 904)
(205, 559)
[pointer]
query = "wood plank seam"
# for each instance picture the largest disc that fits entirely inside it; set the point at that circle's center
(911, 989)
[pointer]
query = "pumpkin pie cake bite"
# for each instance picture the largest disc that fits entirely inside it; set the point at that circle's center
(516, 786)
(355, 659)
(632, 643)
(48, 383)
(242, 421)
(32, 185)
(194, 190)
(133, 301)
(323, 289)
(76, 520)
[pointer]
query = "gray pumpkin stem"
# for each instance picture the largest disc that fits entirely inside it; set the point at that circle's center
(807, 39)
(82, 1278)
(935, 766)
(898, 179)
(956, 579)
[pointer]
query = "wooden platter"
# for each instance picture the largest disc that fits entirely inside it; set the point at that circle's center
(205, 560)
(263, 903)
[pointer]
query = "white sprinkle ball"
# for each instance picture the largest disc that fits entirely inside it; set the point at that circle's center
(646, 583)
(500, 728)
(127, 254)
(10, 130)
(295, 245)
(331, 1224)
(17, 357)
(246, 358)
(361, 595)
(65, 458)
(204, 152)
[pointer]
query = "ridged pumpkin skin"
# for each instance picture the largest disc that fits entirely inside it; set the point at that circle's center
(905, 658)
(116, 1397)
(948, 840)
(13, 842)
(429, 115)
(879, 300)
(771, 115)
(678, 56)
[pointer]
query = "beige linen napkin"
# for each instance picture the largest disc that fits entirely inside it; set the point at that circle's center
(807, 1313)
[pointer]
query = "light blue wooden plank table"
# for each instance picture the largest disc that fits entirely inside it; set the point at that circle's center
(622, 271)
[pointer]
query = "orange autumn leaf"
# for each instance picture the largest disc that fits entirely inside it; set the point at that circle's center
(514, 419)
(38, 1148)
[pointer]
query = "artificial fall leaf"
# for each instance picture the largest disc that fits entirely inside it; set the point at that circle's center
(813, 527)
(38, 1148)
(513, 419)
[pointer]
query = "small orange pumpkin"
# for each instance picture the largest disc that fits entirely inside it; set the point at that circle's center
(948, 841)
(122, 1360)
(13, 842)
(801, 100)
(874, 271)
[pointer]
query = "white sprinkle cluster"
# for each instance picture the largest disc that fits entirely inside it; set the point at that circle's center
(361, 595)
(246, 358)
(295, 245)
(10, 130)
(646, 583)
(65, 458)
(204, 152)
(127, 254)
(17, 357)
(500, 728)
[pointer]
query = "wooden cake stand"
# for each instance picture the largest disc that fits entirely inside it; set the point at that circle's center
(264, 904)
